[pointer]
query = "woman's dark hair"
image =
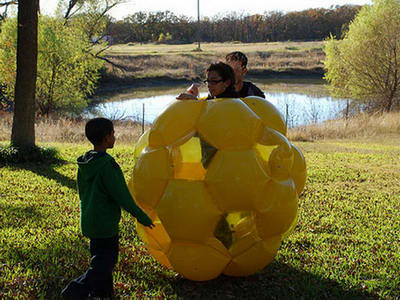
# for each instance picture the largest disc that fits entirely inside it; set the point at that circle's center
(223, 70)
(96, 129)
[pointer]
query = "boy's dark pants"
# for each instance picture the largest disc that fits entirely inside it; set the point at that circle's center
(97, 280)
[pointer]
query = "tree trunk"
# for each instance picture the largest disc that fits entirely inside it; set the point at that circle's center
(23, 128)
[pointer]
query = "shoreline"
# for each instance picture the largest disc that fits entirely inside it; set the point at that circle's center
(110, 84)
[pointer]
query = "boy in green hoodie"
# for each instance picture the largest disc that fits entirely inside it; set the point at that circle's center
(102, 192)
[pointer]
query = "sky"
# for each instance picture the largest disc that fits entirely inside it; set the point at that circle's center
(211, 7)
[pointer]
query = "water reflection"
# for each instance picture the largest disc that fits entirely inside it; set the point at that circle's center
(298, 108)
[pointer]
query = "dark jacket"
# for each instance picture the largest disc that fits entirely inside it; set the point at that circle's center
(249, 89)
(102, 192)
(228, 93)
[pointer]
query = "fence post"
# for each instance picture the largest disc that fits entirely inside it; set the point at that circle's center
(142, 118)
(287, 114)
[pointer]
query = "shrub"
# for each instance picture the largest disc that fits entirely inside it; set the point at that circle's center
(14, 155)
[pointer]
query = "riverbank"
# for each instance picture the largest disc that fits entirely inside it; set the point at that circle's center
(154, 65)
(111, 83)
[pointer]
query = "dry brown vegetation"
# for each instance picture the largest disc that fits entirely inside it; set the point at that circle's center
(71, 131)
(181, 61)
(365, 126)
(132, 49)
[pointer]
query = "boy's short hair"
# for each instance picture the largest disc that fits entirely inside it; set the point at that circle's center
(237, 56)
(96, 129)
(225, 71)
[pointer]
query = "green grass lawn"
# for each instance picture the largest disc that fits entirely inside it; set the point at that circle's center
(346, 245)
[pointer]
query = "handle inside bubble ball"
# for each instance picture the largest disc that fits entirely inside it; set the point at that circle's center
(273, 137)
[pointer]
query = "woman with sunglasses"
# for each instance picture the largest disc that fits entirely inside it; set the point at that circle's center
(220, 83)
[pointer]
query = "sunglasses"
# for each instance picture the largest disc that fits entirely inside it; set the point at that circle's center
(212, 82)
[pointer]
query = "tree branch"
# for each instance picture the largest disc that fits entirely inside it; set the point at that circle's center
(69, 13)
(8, 3)
(71, 5)
(121, 67)
(100, 16)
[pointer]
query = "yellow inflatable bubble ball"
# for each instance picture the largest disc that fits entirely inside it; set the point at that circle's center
(220, 181)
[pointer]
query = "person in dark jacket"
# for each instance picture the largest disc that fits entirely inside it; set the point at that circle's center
(220, 83)
(238, 61)
(102, 192)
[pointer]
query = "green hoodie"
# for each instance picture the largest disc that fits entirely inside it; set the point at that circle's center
(102, 192)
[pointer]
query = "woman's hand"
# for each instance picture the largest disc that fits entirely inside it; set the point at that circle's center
(186, 96)
(191, 93)
(193, 89)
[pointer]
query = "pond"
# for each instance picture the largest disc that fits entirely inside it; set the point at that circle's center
(300, 102)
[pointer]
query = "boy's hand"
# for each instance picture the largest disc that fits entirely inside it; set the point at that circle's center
(145, 220)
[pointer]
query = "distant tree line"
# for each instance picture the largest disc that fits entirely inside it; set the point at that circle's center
(164, 27)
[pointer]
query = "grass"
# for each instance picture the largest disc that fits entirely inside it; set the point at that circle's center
(346, 244)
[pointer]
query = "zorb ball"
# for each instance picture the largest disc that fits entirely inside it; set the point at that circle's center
(220, 181)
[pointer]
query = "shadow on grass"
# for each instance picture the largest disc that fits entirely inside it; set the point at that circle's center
(14, 213)
(44, 269)
(48, 171)
(39, 160)
(65, 258)
(276, 281)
